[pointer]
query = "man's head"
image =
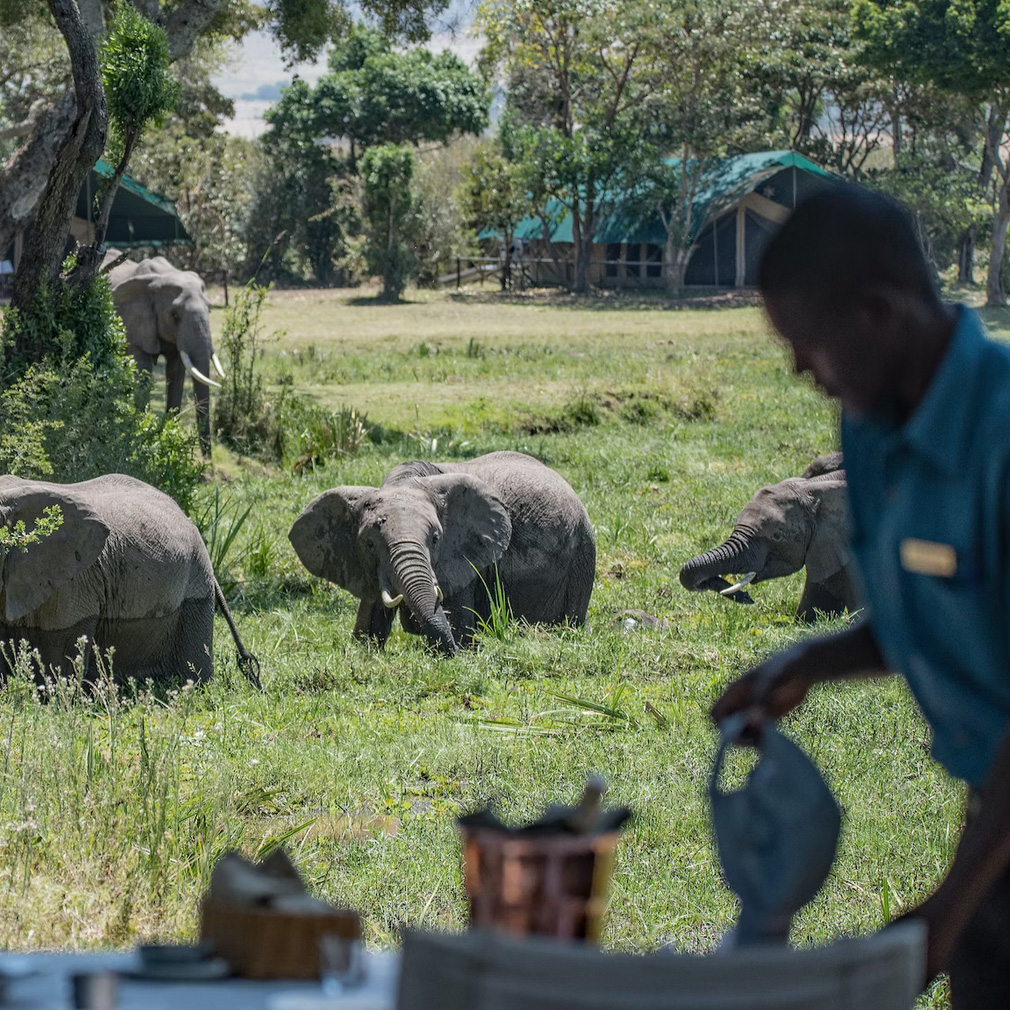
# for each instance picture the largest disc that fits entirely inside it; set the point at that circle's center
(846, 284)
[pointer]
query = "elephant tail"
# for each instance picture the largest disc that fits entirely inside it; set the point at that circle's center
(247, 662)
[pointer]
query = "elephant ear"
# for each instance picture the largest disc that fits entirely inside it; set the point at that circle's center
(31, 577)
(325, 537)
(133, 301)
(476, 527)
(828, 552)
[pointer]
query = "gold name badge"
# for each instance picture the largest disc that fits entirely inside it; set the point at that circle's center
(927, 558)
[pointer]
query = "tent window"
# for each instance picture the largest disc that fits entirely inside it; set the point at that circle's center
(653, 260)
(613, 258)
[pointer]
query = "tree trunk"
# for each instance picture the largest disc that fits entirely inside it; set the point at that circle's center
(674, 268)
(582, 232)
(966, 256)
(78, 150)
(995, 294)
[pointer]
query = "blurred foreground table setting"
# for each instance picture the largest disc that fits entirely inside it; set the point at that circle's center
(264, 943)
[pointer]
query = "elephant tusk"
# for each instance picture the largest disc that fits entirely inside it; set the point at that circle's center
(438, 592)
(745, 581)
(195, 372)
(216, 362)
(391, 601)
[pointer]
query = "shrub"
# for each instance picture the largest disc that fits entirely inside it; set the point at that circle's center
(326, 435)
(243, 417)
(70, 404)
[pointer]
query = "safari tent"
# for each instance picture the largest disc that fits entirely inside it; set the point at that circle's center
(138, 218)
(740, 201)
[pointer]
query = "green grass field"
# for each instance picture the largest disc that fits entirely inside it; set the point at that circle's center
(113, 810)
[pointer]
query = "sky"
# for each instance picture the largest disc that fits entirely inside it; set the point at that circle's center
(256, 72)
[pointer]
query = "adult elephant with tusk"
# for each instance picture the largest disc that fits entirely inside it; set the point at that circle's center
(802, 521)
(166, 313)
(431, 541)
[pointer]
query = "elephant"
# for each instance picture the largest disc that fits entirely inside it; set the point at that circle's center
(166, 312)
(831, 463)
(799, 521)
(126, 568)
(433, 538)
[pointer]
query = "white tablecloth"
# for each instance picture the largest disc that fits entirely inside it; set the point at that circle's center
(50, 987)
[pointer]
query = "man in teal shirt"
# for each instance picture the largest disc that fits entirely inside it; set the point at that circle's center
(926, 439)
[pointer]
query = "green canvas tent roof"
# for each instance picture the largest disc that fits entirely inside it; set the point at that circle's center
(728, 181)
(139, 217)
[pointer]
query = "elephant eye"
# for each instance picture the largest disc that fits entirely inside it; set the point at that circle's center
(434, 536)
(778, 536)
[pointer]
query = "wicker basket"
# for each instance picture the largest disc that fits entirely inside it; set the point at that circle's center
(553, 885)
(261, 943)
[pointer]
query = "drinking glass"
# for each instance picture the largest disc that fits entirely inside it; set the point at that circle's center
(340, 963)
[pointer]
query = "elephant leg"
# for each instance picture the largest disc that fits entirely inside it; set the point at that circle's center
(57, 649)
(194, 640)
(145, 366)
(374, 622)
(466, 609)
(579, 588)
(175, 378)
(817, 599)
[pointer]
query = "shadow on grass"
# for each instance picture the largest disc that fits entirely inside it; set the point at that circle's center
(704, 299)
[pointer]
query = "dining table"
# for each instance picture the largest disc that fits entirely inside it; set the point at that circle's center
(43, 979)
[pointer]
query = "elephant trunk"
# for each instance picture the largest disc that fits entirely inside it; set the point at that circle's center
(413, 574)
(739, 553)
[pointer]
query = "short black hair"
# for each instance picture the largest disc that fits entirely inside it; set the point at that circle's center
(841, 241)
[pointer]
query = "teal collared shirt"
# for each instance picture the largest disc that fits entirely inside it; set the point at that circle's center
(930, 505)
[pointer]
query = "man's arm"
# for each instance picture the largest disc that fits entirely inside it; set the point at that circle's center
(983, 854)
(781, 683)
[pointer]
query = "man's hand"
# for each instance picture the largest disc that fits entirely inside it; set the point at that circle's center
(781, 683)
(768, 691)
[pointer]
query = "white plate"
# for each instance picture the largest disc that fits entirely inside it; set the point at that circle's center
(181, 971)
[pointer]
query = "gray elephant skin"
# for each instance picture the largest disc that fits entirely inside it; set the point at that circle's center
(802, 521)
(126, 568)
(166, 313)
(429, 540)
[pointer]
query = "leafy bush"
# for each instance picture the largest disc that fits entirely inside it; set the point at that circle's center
(291, 431)
(326, 435)
(70, 406)
(243, 416)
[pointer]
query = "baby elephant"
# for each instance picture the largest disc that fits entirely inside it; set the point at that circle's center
(429, 540)
(799, 521)
(125, 568)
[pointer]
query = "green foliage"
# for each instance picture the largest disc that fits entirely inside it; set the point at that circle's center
(442, 226)
(961, 47)
(69, 402)
(305, 220)
(220, 522)
(387, 204)
(210, 180)
(19, 538)
(375, 94)
(944, 200)
(34, 63)
(135, 57)
(244, 418)
(323, 435)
